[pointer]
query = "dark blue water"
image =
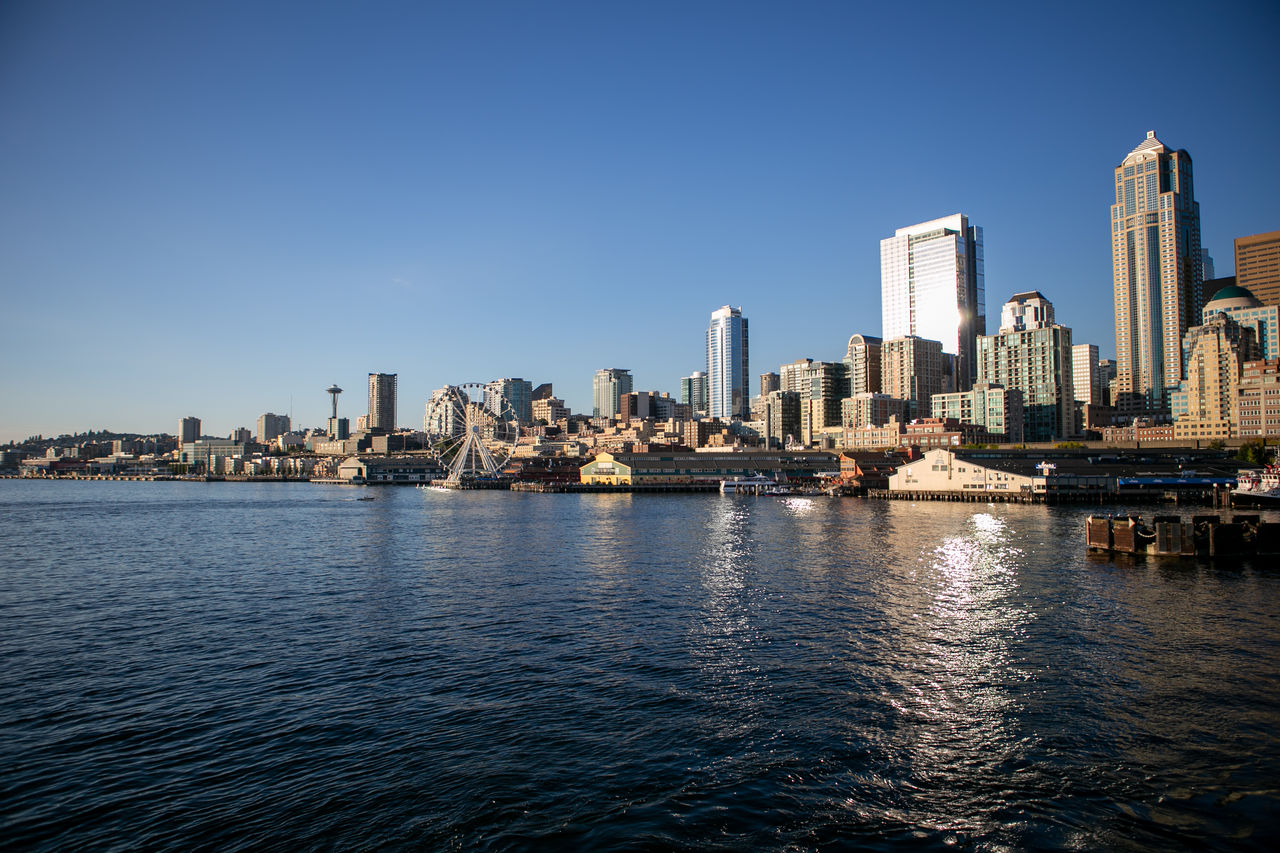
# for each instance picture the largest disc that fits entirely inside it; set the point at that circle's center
(229, 666)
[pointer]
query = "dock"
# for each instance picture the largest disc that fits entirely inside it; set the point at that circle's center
(595, 488)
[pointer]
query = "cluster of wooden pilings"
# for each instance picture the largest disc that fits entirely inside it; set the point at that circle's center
(1171, 536)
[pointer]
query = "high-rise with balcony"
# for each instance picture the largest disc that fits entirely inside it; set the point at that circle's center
(382, 402)
(517, 395)
(728, 373)
(693, 390)
(1157, 274)
(1032, 354)
(932, 287)
(608, 388)
(913, 369)
(863, 363)
(1207, 405)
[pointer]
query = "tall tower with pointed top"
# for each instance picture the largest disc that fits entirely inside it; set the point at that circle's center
(1157, 274)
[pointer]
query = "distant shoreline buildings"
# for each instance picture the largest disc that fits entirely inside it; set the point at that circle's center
(1197, 359)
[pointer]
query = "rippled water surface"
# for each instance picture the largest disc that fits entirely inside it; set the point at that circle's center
(232, 666)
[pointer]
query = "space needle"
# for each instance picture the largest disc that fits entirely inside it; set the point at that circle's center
(338, 429)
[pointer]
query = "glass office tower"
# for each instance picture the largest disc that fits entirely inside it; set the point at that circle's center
(693, 390)
(608, 388)
(932, 286)
(728, 376)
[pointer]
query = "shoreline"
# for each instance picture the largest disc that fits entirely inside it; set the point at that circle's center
(1219, 500)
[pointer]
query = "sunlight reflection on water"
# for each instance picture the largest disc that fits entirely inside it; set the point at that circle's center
(479, 670)
(958, 706)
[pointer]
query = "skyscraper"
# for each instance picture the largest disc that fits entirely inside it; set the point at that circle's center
(1086, 379)
(781, 416)
(791, 376)
(1032, 353)
(608, 389)
(1243, 307)
(693, 390)
(1258, 266)
(913, 369)
(932, 287)
(1207, 405)
(1157, 274)
(382, 402)
(518, 394)
(271, 425)
(728, 374)
(189, 430)
(863, 361)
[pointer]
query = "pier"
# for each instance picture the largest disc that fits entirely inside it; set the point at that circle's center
(563, 488)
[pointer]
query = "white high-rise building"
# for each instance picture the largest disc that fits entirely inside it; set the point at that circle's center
(932, 287)
(1023, 311)
(1033, 354)
(728, 374)
(610, 385)
(518, 394)
(693, 390)
(1086, 379)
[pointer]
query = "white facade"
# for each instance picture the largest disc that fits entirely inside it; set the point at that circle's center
(932, 286)
(728, 373)
(1026, 311)
(1086, 378)
(693, 390)
(940, 470)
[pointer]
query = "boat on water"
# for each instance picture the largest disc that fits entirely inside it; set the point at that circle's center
(1258, 486)
(758, 484)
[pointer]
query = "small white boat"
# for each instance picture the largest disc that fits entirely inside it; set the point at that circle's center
(756, 485)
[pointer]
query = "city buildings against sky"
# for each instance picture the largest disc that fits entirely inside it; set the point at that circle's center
(1157, 266)
(610, 385)
(931, 286)
(728, 365)
(240, 204)
(1258, 266)
(1242, 306)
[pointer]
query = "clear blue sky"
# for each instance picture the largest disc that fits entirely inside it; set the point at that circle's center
(219, 209)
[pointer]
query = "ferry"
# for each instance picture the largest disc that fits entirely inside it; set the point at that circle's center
(1258, 486)
(756, 485)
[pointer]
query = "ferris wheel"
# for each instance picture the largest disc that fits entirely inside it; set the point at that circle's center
(472, 430)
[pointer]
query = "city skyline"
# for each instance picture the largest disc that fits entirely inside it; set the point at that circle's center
(203, 213)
